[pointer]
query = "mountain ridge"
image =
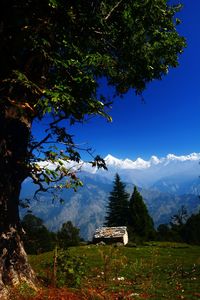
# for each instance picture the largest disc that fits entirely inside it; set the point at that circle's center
(166, 184)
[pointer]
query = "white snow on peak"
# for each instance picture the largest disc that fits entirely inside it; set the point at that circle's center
(126, 163)
(111, 160)
(154, 160)
(192, 156)
(140, 163)
(109, 157)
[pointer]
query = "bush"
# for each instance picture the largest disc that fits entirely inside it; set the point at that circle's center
(69, 269)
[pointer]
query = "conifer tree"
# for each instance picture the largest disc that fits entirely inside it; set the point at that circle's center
(117, 209)
(140, 223)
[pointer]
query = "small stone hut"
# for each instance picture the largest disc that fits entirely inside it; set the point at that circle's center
(111, 235)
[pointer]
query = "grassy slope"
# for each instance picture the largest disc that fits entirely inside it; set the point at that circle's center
(159, 271)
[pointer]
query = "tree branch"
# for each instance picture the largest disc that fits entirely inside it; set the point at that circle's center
(61, 118)
(40, 143)
(112, 10)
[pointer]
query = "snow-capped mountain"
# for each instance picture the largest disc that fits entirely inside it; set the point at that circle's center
(140, 163)
(171, 170)
(165, 183)
(144, 173)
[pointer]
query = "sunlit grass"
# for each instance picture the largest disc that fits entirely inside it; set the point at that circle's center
(156, 270)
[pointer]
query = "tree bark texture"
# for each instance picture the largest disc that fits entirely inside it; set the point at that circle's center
(14, 137)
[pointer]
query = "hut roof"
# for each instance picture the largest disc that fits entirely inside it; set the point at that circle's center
(110, 232)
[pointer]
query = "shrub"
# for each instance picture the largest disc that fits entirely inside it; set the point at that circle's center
(69, 269)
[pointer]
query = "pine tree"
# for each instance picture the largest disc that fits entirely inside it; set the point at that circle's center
(140, 223)
(117, 209)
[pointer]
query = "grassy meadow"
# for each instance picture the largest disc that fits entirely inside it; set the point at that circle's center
(153, 271)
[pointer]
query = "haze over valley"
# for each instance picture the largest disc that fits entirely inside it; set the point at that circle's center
(165, 183)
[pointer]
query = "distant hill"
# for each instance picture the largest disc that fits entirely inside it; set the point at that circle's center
(166, 184)
(85, 208)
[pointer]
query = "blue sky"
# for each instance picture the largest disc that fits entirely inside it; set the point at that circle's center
(168, 121)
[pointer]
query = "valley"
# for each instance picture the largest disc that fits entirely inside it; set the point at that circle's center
(166, 184)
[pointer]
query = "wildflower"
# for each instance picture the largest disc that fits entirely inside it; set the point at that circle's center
(134, 294)
(120, 278)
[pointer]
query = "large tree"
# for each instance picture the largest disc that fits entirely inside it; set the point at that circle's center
(140, 222)
(52, 54)
(117, 208)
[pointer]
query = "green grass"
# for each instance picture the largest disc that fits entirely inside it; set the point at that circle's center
(154, 271)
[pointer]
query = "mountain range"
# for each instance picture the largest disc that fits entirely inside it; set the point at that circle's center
(165, 183)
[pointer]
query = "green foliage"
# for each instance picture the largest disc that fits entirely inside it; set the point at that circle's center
(22, 292)
(164, 233)
(181, 229)
(68, 236)
(140, 223)
(117, 209)
(37, 238)
(25, 290)
(128, 42)
(191, 231)
(70, 269)
(54, 52)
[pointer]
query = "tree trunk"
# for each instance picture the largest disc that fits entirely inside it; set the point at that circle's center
(14, 137)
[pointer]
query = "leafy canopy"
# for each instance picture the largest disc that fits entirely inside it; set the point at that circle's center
(53, 53)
